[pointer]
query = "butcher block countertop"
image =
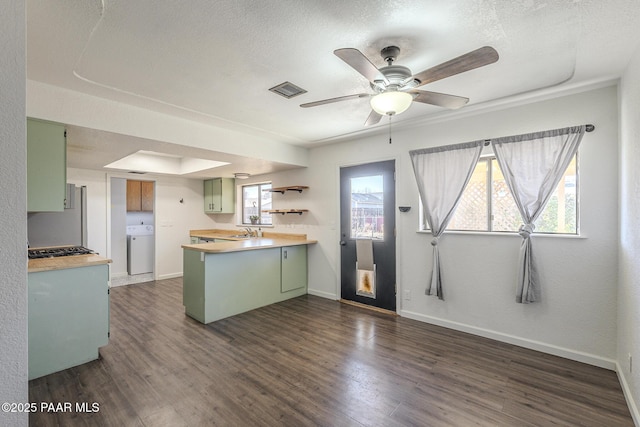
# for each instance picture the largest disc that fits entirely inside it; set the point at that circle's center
(63, 262)
(268, 240)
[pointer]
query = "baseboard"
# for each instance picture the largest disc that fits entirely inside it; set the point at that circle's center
(168, 276)
(369, 307)
(633, 408)
(322, 294)
(118, 275)
(117, 285)
(567, 353)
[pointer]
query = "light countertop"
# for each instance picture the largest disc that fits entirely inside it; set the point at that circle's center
(268, 240)
(63, 262)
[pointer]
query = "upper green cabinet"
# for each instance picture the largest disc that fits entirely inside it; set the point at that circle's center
(220, 195)
(46, 166)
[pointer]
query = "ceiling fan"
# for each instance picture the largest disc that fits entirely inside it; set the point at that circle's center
(394, 85)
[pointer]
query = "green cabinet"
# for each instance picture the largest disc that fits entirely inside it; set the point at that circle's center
(219, 285)
(68, 317)
(46, 166)
(220, 195)
(294, 268)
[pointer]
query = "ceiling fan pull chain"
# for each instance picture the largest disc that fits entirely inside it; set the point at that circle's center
(389, 128)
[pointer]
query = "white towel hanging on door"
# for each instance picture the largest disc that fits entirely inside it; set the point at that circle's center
(364, 254)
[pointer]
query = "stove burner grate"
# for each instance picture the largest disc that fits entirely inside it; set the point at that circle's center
(58, 252)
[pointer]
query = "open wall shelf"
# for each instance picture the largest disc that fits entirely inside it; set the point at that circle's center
(286, 211)
(283, 190)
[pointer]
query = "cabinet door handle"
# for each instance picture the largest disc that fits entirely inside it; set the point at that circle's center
(285, 254)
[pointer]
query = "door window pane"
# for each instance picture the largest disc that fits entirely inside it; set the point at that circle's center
(367, 213)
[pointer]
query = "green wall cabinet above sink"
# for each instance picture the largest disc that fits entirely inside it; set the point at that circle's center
(220, 195)
(46, 166)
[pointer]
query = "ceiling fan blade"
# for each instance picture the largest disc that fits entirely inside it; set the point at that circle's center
(332, 100)
(356, 60)
(373, 118)
(439, 99)
(477, 58)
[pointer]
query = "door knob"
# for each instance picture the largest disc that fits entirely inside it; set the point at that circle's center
(343, 243)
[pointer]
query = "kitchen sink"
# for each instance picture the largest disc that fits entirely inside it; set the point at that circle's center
(240, 236)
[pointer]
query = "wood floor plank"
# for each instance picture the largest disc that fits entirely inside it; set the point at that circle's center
(311, 361)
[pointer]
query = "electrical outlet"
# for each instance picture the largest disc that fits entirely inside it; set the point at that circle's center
(630, 363)
(407, 294)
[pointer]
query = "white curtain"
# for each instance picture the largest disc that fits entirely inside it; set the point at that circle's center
(442, 173)
(532, 165)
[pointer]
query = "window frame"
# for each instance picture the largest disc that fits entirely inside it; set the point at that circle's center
(260, 186)
(490, 159)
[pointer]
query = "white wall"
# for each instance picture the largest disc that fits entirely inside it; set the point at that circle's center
(136, 218)
(75, 108)
(576, 316)
(13, 213)
(629, 250)
(118, 224)
(173, 219)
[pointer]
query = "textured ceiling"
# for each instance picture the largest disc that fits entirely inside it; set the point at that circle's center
(214, 61)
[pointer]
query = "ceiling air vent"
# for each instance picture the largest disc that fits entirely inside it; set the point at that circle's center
(288, 90)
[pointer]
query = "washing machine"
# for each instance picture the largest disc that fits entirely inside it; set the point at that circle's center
(140, 249)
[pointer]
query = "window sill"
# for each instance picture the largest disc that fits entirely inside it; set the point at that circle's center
(508, 234)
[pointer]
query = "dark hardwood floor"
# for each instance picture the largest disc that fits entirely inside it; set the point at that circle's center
(312, 361)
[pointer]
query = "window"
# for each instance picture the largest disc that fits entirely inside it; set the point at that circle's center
(487, 204)
(254, 202)
(367, 203)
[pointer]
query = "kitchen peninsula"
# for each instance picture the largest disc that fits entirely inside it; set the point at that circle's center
(231, 274)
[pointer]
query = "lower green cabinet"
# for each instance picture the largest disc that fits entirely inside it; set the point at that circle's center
(68, 317)
(294, 268)
(219, 285)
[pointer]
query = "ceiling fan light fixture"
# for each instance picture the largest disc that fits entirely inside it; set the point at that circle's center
(391, 102)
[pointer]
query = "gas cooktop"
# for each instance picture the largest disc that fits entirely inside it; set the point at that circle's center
(57, 252)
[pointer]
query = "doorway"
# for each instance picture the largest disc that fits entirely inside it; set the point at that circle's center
(367, 234)
(132, 231)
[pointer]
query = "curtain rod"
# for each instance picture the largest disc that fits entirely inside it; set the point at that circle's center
(587, 127)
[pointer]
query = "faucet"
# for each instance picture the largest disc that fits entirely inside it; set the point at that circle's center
(249, 231)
